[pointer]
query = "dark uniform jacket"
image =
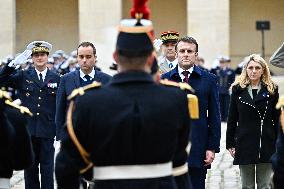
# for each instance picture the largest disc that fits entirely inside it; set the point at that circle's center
(225, 78)
(39, 97)
(15, 144)
(206, 131)
(252, 125)
(130, 121)
(68, 83)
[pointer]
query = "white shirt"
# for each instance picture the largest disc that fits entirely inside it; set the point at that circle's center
(43, 73)
(180, 70)
(174, 63)
(82, 75)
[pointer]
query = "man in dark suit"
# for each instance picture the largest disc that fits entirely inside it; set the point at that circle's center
(15, 142)
(120, 125)
(86, 56)
(37, 90)
(206, 131)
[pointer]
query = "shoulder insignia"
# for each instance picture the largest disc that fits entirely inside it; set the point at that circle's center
(4, 95)
(22, 109)
(193, 107)
(182, 86)
(81, 90)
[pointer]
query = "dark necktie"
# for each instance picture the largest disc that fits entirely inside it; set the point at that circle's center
(171, 65)
(88, 78)
(40, 78)
(186, 76)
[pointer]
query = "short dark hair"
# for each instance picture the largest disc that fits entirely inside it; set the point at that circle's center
(87, 44)
(187, 39)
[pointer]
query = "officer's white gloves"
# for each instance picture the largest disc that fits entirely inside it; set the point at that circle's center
(157, 43)
(20, 59)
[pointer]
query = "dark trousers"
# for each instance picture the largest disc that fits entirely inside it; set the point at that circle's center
(224, 106)
(197, 177)
(44, 156)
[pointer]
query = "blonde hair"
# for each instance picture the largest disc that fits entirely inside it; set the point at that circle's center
(243, 79)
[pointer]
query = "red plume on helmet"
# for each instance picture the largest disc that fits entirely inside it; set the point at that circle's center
(140, 9)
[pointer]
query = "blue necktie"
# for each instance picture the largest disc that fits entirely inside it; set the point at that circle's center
(171, 65)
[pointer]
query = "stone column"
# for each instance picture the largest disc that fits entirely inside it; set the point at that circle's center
(98, 21)
(7, 28)
(208, 23)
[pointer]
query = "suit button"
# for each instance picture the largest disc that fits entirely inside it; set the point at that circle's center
(38, 105)
(37, 113)
(39, 98)
(40, 90)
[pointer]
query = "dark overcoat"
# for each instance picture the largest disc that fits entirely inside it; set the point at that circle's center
(252, 125)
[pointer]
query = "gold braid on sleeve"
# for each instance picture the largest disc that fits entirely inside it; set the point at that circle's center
(84, 154)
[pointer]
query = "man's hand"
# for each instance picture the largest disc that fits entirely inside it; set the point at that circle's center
(232, 152)
(21, 58)
(210, 155)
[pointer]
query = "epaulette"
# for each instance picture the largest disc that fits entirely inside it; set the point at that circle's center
(182, 86)
(81, 90)
(22, 109)
(193, 106)
(280, 102)
(5, 95)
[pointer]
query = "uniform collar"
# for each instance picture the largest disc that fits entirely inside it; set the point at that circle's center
(43, 73)
(82, 75)
(174, 63)
(131, 76)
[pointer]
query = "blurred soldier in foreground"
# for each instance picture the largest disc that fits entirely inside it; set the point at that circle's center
(15, 143)
(277, 59)
(119, 128)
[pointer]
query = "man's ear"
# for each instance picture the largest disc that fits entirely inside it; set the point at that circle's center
(150, 60)
(115, 56)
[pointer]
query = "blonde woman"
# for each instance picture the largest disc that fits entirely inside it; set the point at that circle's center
(251, 127)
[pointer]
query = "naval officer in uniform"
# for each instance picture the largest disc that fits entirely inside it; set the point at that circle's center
(37, 90)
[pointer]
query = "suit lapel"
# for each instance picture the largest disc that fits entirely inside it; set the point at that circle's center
(97, 76)
(77, 78)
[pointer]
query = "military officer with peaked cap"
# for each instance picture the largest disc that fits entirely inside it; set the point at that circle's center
(37, 90)
(168, 60)
(119, 128)
(15, 144)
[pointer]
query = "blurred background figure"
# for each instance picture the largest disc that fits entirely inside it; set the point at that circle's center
(50, 64)
(200, 62)
(225, 77)
(167, 61)
(252, 123)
